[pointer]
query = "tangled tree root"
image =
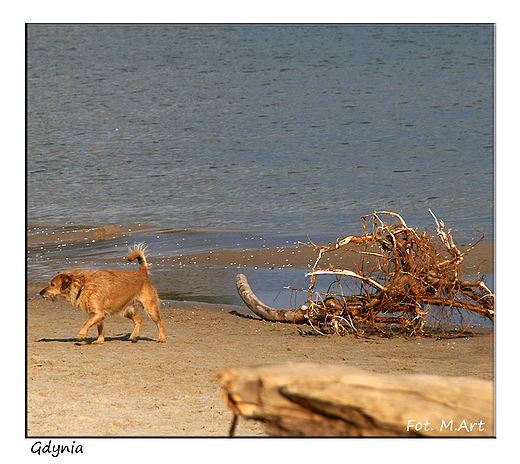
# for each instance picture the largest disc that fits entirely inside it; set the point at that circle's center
(402, 279)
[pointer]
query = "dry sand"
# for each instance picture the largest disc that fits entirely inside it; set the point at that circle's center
(122, 388)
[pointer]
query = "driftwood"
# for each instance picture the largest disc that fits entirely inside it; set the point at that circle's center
(402, 279)
(325, 400)
(296, 316)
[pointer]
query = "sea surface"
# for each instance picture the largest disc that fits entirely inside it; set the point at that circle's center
(281, 132)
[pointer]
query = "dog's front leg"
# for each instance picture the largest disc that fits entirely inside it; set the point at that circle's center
(97, 318)
(101, 334)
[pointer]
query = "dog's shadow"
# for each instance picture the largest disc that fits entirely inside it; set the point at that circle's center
(90, 340)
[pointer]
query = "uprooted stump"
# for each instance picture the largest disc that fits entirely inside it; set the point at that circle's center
(402, 278)
(310, 400)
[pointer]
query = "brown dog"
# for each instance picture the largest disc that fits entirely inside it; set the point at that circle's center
(107, 292)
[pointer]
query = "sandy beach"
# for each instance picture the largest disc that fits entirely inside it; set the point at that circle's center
(170, 390)
(143, 389)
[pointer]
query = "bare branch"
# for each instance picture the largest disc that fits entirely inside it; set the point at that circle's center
(408, 275)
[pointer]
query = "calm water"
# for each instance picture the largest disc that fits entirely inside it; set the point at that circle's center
(271, 128)
(274, 127)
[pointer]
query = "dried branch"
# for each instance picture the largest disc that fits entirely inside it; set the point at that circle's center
(415, 278)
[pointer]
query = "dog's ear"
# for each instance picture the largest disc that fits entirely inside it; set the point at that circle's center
(66, 280)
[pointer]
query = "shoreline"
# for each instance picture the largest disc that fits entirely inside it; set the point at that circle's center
(183, 247)
(201, 266)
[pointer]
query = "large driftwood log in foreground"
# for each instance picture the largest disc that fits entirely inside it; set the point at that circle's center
(402, 278)
(327, 400)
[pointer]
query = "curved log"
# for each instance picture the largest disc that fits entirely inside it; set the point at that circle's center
(296, 316)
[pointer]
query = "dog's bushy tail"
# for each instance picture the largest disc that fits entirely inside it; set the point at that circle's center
(137, 252)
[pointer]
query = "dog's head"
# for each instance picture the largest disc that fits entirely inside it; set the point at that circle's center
(59, 285)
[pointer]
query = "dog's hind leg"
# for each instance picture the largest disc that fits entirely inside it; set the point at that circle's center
(150, 303)
(130, 314)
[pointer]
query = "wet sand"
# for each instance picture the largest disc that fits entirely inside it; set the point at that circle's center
(480, 258)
